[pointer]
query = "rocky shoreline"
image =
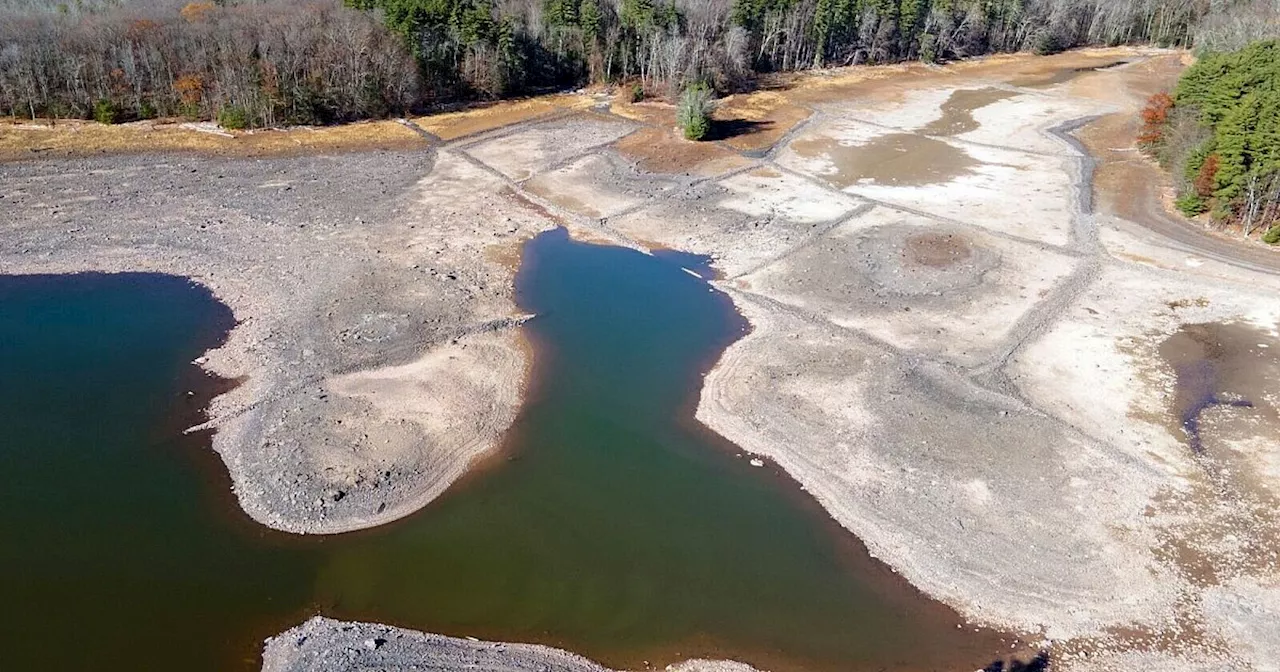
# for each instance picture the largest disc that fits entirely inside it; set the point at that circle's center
(326, 645)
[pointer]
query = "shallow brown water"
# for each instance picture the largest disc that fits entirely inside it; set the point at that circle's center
(957, 112)
(1220, 364)
(1062, 76)
(904, 159)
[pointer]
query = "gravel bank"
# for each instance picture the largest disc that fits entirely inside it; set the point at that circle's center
(326, 645)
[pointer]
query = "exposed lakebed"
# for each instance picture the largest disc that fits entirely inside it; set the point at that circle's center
(611, 523)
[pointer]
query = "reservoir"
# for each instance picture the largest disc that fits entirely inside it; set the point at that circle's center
(610, 524)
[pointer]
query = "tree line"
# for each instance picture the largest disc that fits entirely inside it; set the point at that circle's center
(259, 64)
(271, 62)
(1219, 133)
(493, 47)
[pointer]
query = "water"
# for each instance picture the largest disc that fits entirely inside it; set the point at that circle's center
(611, 523)
(1217, 364)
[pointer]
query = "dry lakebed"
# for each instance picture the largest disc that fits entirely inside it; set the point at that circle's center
(1019, 395)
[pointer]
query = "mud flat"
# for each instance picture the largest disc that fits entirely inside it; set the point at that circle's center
(1043, 414)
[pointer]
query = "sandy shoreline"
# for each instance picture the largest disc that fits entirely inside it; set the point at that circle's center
(954, 348)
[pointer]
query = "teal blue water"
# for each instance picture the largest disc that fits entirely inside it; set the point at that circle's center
(611, 523)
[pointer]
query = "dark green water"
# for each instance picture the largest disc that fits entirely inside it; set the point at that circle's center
(612, 524)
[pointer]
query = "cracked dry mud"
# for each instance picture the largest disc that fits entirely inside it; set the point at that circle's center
(964, 360)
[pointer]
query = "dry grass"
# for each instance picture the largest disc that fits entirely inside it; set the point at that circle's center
(653, 112)
(24, 139)
(769, 114)
(661, 150)
(481, 118)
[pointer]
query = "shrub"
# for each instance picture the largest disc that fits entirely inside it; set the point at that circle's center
(104, 112)
(233, 117)
(929, 48)
(1048, 42)
(1155, 118)
(693, 114)
(1206, 177)
(1272, 236)
(146, 110)
(1191, 204)
(635, 94)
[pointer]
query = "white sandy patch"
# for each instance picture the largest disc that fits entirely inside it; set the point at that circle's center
(1019, 194)
(1097, 369)
(1003, 516)
(763, 215)
(1247, 614)
(916, 109)
(529, 151)
(842, 131)
(1020, 122)
(462, 395)
(573, 187)
(1127, 243)
(455, 180)
(769, 193)
(964, 328)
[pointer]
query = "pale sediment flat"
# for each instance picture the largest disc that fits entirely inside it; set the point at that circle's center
(326, 645)
(987, 408)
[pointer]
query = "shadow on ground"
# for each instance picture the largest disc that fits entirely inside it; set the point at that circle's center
(723, 129)
(1040, 663)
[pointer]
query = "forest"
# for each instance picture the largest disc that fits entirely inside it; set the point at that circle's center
(1219, 134)
(274, 62)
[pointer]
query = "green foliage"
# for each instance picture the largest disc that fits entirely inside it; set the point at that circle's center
(1195, 160)
(1191, 204)
(693, 113)
(591, 19)
(560, 12)
(1049, 42)
(929, 48)
(147, 110)
(1237, 96)
(635, 93)
(104, 112)
(1272, 236)
(233, 117)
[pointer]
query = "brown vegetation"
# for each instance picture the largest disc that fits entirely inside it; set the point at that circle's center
(270, 63)
(1154, 118)
(24, 140)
